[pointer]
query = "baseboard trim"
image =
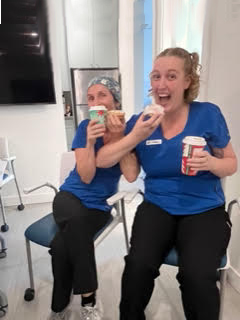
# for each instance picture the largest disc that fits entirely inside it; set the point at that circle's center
(234, 278)
(28, 199)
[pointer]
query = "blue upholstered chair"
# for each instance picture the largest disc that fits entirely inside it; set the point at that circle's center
(172, 257)
(7, 174)
(43, 230)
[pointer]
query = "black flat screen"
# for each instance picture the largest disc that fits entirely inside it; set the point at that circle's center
(26, 75)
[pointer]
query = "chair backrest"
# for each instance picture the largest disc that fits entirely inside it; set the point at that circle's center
(3, 165)
(4, 152)
(67, 164)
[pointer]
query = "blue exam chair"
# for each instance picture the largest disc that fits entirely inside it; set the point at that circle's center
(43, 230)
(172, 257)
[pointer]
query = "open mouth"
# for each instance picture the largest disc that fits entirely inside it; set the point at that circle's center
(164, 98)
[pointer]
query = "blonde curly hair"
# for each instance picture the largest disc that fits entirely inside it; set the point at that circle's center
(192, 68)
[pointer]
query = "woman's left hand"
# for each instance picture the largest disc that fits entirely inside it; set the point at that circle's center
(202, 160)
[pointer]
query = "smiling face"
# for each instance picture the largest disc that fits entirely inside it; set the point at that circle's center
(169, 82)
(99, 95)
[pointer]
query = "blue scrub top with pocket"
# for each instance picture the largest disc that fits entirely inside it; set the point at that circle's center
(165, 185)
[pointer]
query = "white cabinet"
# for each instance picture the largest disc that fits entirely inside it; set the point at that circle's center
(105, 35)
(79, 32)
(92, 33)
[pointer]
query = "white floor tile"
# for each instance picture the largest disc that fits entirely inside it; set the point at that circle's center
(164, 305)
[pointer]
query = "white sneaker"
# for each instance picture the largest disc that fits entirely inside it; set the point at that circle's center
(63, 315)
(92, 313)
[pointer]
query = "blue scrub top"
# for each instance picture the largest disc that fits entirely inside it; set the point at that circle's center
(161, 158)
(103, 185)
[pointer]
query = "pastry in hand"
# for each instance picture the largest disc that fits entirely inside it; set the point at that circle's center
(151, 109)
(118, 113)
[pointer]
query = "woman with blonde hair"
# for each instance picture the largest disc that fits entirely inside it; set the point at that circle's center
(181, 210)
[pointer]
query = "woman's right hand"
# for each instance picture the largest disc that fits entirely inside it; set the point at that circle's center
(112, 153)
(94, 131)
(144, 128)
(115, 127)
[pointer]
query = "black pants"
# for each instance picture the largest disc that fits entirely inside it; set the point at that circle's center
(72, 249)
(201, 240)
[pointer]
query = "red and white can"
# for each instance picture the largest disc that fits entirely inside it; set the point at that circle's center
(189, 144)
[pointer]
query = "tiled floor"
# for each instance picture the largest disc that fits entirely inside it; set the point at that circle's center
(165, 303)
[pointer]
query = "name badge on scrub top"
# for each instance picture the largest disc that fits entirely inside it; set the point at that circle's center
(151, 142)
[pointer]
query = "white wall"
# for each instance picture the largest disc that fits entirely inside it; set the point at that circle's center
(139, 21)
(126, 55)
(178, 24)
(36, 133)
(62, 34)
(220, 84)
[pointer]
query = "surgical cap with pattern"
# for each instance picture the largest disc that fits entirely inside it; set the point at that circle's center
(112, 85)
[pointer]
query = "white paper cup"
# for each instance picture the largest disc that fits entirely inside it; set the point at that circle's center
(189, 144)
(98, 113)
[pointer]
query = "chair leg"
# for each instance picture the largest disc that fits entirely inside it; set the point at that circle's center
(125, 225)
(21, 206)
(3, 210)
(30, 269)
(29, 292)
(223, 282)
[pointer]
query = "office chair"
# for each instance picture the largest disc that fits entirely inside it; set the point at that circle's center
(172, 257)
(43, 230)
(7, 174)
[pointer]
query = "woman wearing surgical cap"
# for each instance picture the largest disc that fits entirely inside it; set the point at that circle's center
(80, 208)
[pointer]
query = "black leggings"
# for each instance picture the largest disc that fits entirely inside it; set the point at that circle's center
(72, 249)
(201, 241)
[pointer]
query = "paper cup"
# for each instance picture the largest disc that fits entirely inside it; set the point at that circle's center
(98, 113)
(189, 144)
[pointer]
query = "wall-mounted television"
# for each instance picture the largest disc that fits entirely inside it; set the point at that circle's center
(26, 74)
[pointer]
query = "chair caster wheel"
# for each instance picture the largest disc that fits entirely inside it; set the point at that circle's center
(20, 207)
(3, 304)
(3, 311)
(4, 228)
(29, 294)
(3, 253)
